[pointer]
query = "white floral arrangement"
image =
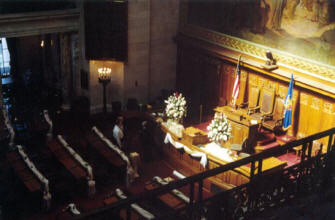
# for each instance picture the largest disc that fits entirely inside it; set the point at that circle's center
(175, 106)
(219, 130)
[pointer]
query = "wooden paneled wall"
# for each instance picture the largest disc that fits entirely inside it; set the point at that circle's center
(198, 81)
(207, 79)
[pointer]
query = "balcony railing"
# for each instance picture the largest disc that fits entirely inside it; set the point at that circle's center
(314, 173)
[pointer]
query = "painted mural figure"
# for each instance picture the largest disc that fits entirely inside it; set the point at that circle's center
(305, 28)
(277, 8)
(306, 18)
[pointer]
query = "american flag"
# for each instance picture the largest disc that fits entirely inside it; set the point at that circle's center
(236, 88)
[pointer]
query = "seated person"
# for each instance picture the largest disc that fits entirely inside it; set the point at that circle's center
(118, 131)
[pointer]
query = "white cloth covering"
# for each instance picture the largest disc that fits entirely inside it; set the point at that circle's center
(38, 174)
(144, 213)
(72, 208)
(77, 157)
(118, 135)
(9, 127)
(179, 175)
(176, 192)
(218, 151)
(83, 163)
(49, 121)
(130, 170)
(178, 145)
(174, 127)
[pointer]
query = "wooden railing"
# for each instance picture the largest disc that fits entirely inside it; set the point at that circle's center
(311, 174)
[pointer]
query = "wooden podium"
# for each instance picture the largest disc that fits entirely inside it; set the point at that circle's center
(243, 126)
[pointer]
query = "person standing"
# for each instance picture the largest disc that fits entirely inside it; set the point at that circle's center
(118, 132)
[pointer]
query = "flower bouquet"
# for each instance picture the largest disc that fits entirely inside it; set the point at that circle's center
(219, 130)
(175, 106)
(175, 110)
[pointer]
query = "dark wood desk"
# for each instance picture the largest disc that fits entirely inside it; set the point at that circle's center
(168, 198)
(123, 213)
(65, 158)
(227, 180)
(23, 172)
(111, 156)
(243, 126)
(38, 125)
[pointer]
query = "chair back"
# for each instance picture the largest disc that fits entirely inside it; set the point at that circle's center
(253, 97)
(278, 112)
(267, 100)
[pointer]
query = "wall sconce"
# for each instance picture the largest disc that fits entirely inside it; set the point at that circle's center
(104, 75)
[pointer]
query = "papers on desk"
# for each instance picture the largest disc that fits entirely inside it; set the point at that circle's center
(218, 151)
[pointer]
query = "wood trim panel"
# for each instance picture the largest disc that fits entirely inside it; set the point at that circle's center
(34, 23)
(313, 107)
(321, 86)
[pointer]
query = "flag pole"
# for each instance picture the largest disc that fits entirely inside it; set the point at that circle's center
(233, 102)
(239, 58)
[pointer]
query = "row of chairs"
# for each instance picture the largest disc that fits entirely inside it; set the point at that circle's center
(264, 105)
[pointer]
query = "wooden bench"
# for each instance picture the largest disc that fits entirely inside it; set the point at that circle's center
(4, 134)
(23, 172)
(169, 199)
(67, 160)
(134, 215)
(108, 154)
(123, 212)
(38, 125)
(173, 201)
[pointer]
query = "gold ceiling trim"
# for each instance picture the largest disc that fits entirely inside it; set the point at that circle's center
(310, 67)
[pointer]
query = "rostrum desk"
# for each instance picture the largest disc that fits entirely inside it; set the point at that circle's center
(184, 163)
(244, 126)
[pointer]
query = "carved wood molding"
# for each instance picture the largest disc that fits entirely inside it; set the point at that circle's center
(34, 23)
(328, 108)
(306, 66)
